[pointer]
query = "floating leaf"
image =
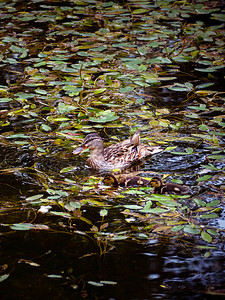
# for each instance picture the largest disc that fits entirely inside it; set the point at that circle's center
(65, 108)
(45, 127)
(188, 152)
(213, 203)
(18, 135)
(4, 277)
(75, 204)
(5, 100)
(29, 262)
(209, 69)
(28, 226)
(95, 283)
(199, 202)
(179, 88)
(132, 206)
(161, 228)
(103, 212)
(208, 216)
(207, 254)
(204, 178)
(118, 237)
(206, 237)
(169, 203)
(191, 230)
(147, 205)
(154, 210)
(39, 149)
(35, 197)
(126, 89)
(218, 16)
(203, 127)
(61, 214)
(139, 11)
(54, 276)
(159, 59)
(40, 91)
(170, 148)
(104, 117)
(108, 282)
(82, 53)
(69, 207)
(204, 85)
(177, 228)
(99, 91)
(212, 232)
(22, 226)
(68, 169)
(217, 157)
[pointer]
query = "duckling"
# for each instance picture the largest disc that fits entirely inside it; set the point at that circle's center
(167, 188)
(125, 181)
(117, 156)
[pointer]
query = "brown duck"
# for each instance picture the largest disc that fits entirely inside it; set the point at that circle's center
(117, 156)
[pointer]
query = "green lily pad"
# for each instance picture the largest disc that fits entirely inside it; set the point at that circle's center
(104, 117)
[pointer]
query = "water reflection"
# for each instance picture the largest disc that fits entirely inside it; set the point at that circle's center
(65, 264)
(194, 274)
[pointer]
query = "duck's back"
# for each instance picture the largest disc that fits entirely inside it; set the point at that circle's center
(120, 154)
(126, 153)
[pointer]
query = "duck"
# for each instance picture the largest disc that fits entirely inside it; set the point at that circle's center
(125, 181)
(117, 156)
(167, 188)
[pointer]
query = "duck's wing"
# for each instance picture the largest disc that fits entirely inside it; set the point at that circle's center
(119, 149)
(124, 147)
(125, 153)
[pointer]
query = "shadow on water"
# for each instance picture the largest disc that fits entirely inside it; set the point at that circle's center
(54, 265)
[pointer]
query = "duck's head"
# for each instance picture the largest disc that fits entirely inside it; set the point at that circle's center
(156, 182)
(111, 180)
(92, 142)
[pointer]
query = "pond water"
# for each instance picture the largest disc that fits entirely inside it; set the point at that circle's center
(70, 68)
(150, 272)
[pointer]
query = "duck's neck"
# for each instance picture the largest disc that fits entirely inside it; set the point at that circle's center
(98, 153)
(157, 190)
(97, 159)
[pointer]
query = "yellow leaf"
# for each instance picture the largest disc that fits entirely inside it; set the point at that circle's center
(162, 228)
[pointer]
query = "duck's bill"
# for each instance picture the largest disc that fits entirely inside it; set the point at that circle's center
(79, 150)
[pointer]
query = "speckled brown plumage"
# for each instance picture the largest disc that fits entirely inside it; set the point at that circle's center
(117, 156)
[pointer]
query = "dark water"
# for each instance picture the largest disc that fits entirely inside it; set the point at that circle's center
(150, 272)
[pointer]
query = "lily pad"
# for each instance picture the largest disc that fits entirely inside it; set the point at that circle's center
(104, 117)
